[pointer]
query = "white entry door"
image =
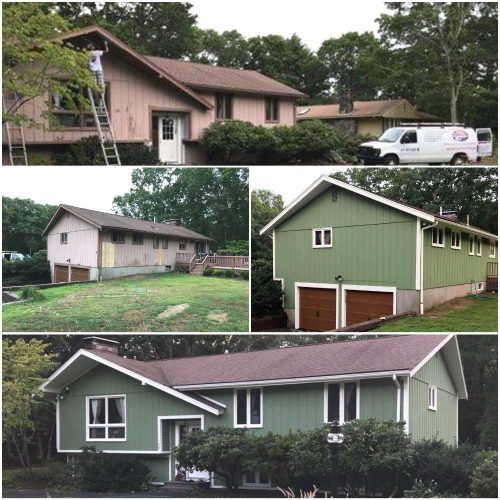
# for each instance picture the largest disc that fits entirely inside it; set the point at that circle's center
(181, 430)
(170, 138)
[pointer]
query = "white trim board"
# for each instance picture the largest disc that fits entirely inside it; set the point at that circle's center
(332, 286)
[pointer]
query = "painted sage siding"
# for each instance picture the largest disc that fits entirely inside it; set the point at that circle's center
(372, 244)
(446, 266)
(425, 423)
(378, 399)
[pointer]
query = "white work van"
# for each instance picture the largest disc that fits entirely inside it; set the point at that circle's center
(428, 143)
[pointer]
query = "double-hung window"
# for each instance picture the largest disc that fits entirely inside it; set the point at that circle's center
(438, 237)
(272, 109)
(156, 242)
(248, 407)
(322, 237)
(493, 249)
(224, 106)
(479, 242)
(164, 243)
(432, 397)
(182, 244)
(471, 244)
(106, 418)
(64, 238)
(341, 402)
(456, 240)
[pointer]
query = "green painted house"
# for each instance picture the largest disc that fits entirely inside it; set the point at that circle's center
(144, 408)
(345, 255)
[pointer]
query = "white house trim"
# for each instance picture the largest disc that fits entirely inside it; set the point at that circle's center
(398, 397)
(459, 246)
(368, 288)
(418, 256)
(106, 424)
(248, 416)
(332, 286)
(494, 247)
(341, 399)
(440, 231)
(406, 403)
(143, 380)
(315, 189)
(322, 229)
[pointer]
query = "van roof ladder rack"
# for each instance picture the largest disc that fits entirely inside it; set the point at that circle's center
(433, 124)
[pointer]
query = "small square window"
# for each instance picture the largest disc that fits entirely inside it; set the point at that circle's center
(322, 238)
(137, 239)
(432, 397)
(456, 240)
(182, 244)
(64, 238)
(437, 237)
(118, 237)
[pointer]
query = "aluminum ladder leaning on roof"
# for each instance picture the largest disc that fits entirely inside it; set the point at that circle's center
(104, 129)
(15, 133)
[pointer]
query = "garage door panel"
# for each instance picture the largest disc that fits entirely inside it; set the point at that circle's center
(61, 274)
(317, 309)
(367, 305)
(79, 274)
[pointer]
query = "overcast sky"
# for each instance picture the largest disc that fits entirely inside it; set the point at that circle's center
(86, 187)
(314, 21)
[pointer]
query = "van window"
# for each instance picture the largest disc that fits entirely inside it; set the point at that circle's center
(391, 135)
(409, 137)
(484, 136)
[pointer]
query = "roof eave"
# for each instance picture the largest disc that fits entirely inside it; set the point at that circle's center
(57, 215)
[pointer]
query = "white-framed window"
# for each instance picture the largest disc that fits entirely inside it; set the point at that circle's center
(493, 249)
(479, 244)
(456, 240)
(106, 418)
(432, 397)
(471, 244)
(341, 402)
(322, 237)
(256, 478)
(480, 286)
(248, 407)
(438, 237)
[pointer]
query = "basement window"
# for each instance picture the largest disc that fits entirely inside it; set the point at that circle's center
(248, 405)
(164, 243)
(479, 242)
(493, 249)
(456, 240)
(106, 418)
(118, 237)
(438, 237)
(224, 104)
(322, 237)
(480, 286)
(272, 109)
(341, 402)
(182, 244)
(137, 239)
(471, 244)
(432, 397)
(64, 238)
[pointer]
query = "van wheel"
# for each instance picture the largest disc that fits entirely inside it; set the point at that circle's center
(459, 159)
(391, 160)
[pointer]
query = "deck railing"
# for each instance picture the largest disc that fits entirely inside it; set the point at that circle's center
(185, 261)
(492, 269)
(229, 261)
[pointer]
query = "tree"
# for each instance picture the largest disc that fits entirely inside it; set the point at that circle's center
(210, 201)
(25, 364)
(35, 62)
(229, 49)
(439, 42)
(23, 223)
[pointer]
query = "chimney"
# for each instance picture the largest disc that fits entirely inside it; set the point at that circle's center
(100, 344)
(449, 214)
(345, 102)
(172, 222)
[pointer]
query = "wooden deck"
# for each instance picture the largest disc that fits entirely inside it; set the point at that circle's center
(196, 263)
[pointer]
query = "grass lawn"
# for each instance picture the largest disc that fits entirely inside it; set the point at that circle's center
(141, 303)
(458, 315)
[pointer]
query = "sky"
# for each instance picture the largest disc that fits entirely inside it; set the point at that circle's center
(314, 21)
(86, 187)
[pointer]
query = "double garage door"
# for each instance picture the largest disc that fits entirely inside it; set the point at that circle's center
(318, 307)
(62, 275)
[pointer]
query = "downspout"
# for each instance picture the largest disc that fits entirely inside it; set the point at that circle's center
(421, 301)
(398, 397)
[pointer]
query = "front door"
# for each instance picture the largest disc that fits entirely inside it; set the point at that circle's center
(182, 429)
(170, 138)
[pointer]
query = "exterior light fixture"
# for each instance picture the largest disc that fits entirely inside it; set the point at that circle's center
(339, 278)
(335, 438)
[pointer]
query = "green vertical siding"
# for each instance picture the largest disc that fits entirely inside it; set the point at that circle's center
(425, 423)
(159, 467)
(378, 399)
(446, 267)
(372, 244)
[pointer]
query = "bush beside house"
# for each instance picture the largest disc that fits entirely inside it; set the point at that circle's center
(32, 271)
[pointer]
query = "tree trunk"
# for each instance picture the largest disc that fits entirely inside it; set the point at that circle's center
(39, 445)
(49, 444)
(26, 453)
(453, 106)
(18, 450)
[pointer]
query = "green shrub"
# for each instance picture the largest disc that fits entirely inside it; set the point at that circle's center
(420, 490)
(266, 293)
(32, 294)
(218, 273)
(235, 247)
(244, 275)
(485, 476)
(209, 271)
(229, 273)
(102, 472)
(32, 271)
(55, 475)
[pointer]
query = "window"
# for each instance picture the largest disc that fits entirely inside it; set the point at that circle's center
(106, 418)
(493, 249)
(480, 286)
(64, 238)
(156, 242)
(224, 106)
(437, 237)
(137, 239)
(322, 238)
(432, 397)
(182, 244)
(69, 106)
(164, 243)
(341, 402)
(272, 109)
(471, 244)
(248, 407)
(456, 240)
(118, 237)
(168, 129)
(256, 478)
(479, 241)
(409, 137)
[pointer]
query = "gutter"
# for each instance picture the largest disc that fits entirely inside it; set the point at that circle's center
(421, 300)
(398, 397)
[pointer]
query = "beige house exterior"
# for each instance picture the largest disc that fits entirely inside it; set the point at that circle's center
(370, 118)
(161, 102)
(86, 245)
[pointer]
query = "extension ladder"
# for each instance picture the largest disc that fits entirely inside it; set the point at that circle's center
(104, 129)
(15, 135)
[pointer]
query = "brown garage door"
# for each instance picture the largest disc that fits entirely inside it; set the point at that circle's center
(61, 274)
(363, 306)
(79, 274)
(317, 309)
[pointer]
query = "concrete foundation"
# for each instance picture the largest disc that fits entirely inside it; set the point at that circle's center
(407, 301)
(109, 273)
(436, 296)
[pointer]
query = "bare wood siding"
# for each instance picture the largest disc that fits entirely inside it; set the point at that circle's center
(253, 109)
(126, 254)
(82, 242)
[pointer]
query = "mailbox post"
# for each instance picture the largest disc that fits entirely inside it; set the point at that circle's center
(334, 439)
